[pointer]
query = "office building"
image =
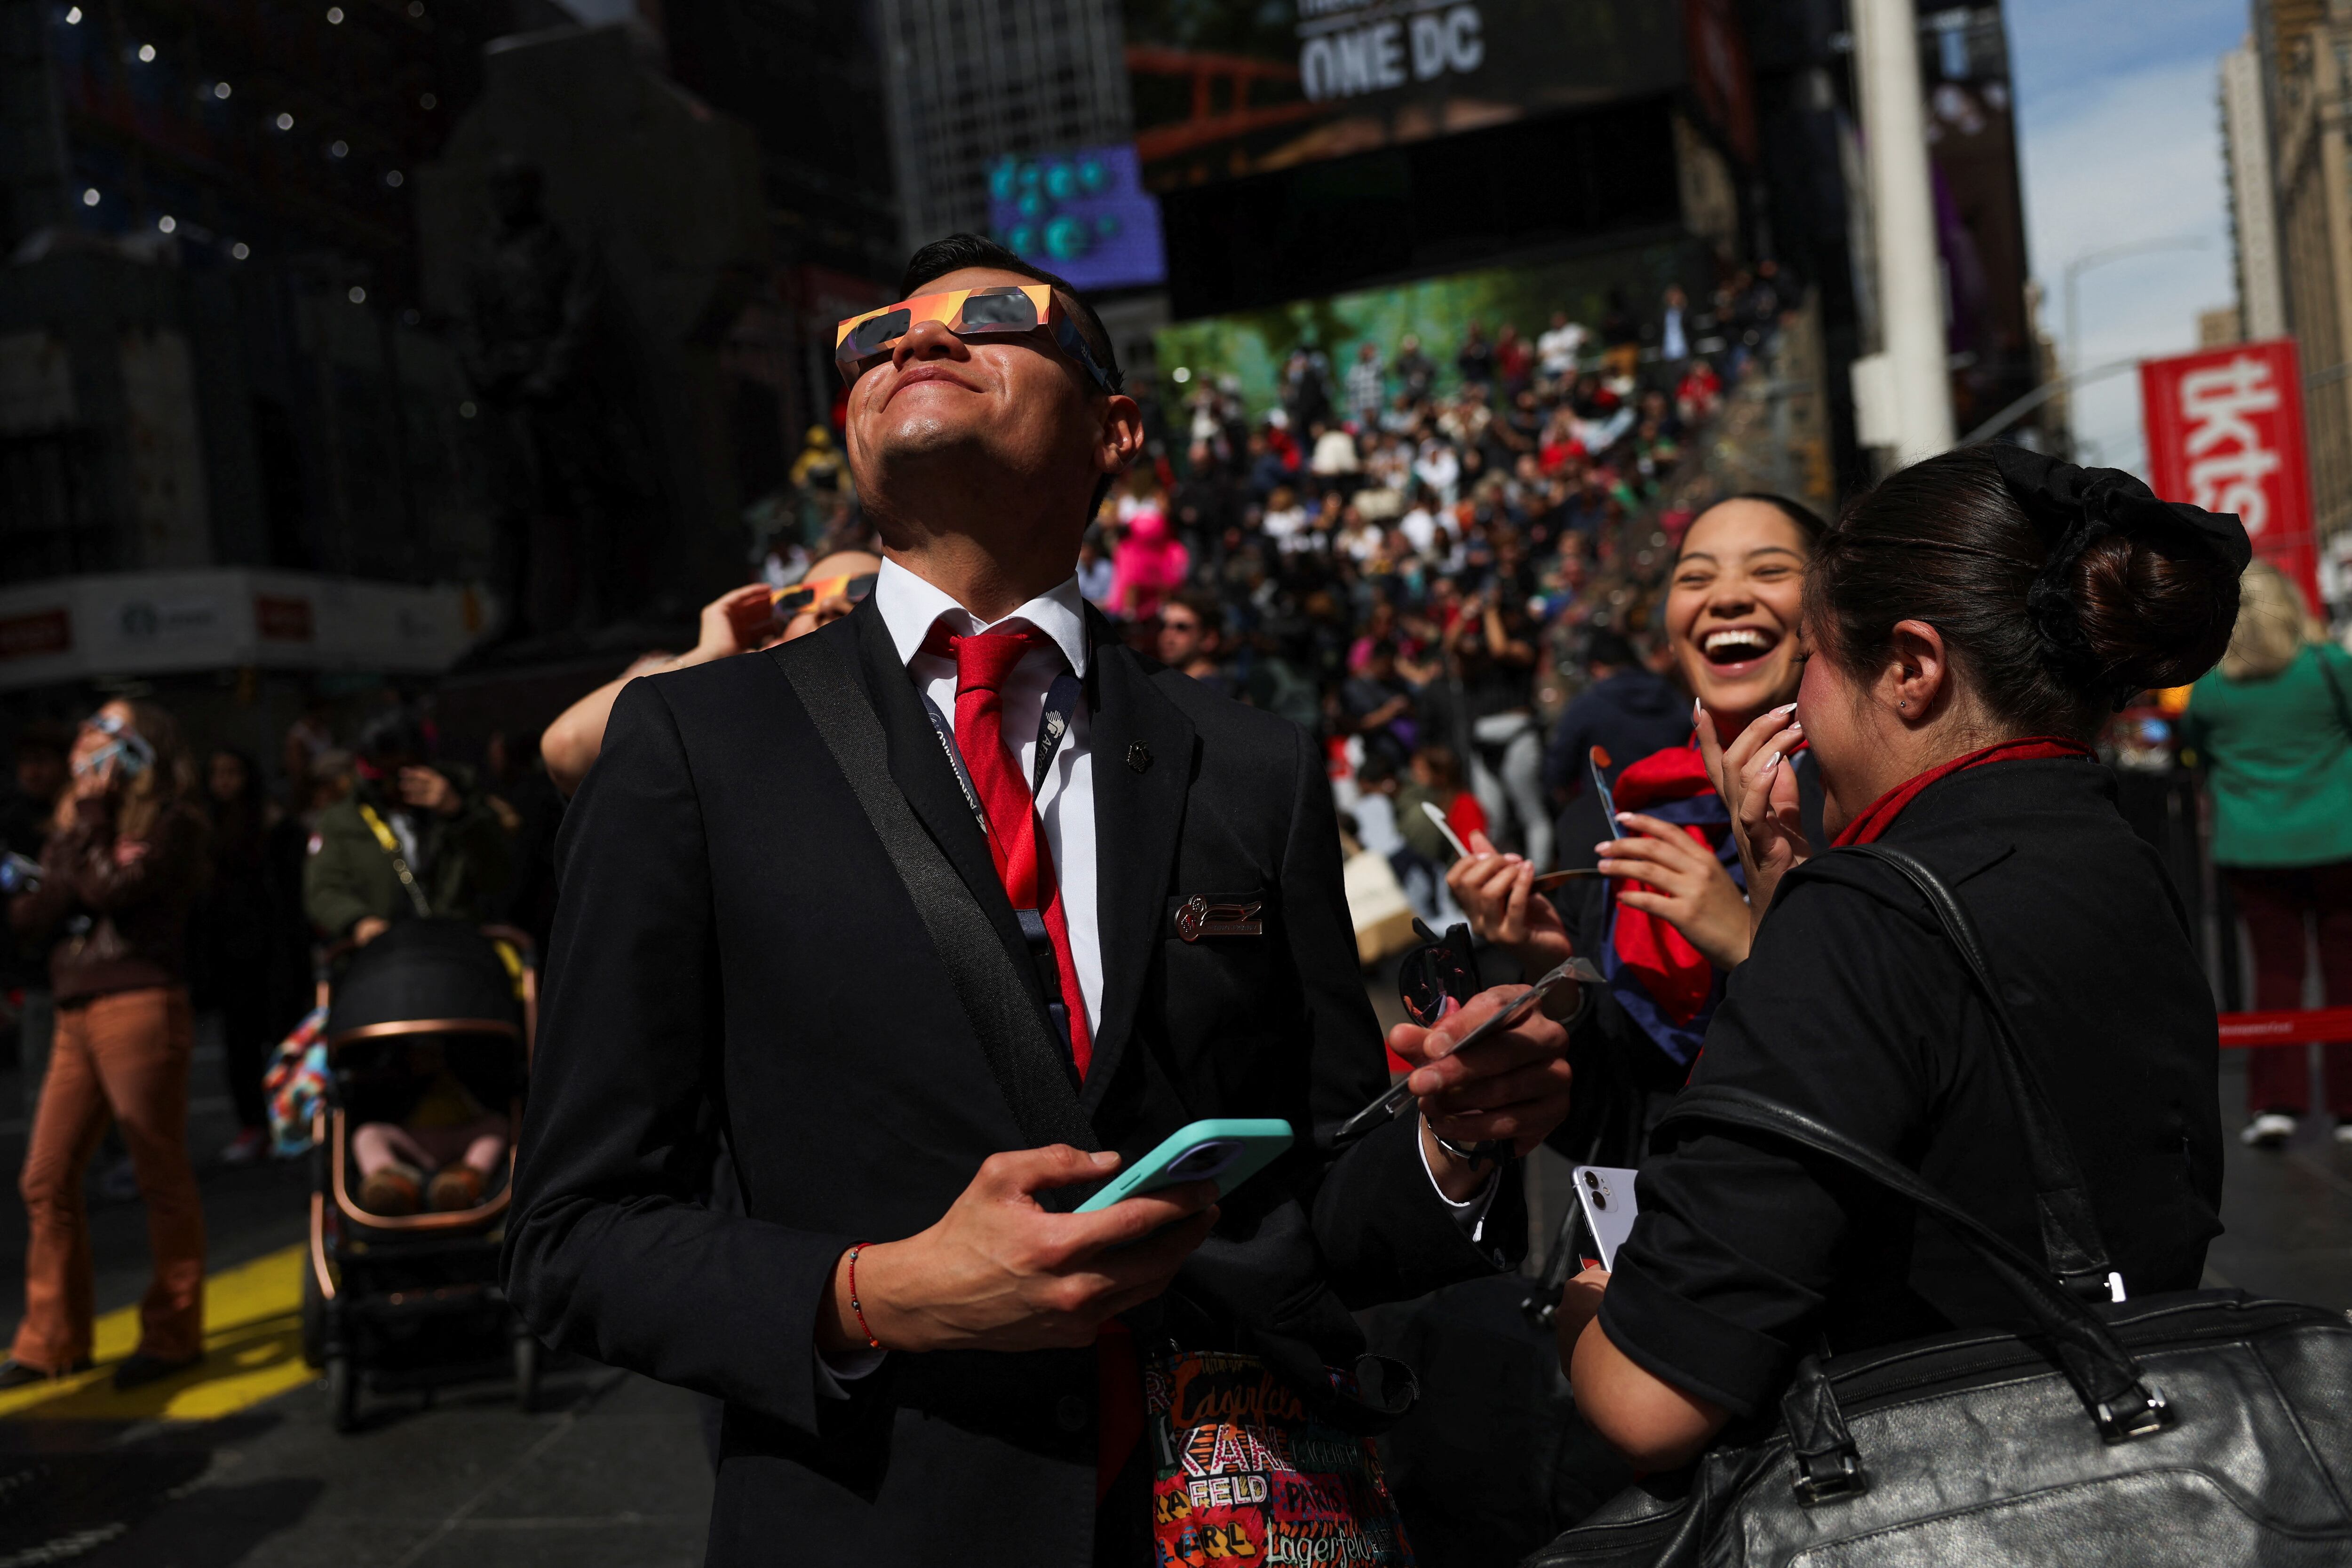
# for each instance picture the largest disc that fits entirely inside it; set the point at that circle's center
(2253, 218)
(2313, 180)
(970, 81)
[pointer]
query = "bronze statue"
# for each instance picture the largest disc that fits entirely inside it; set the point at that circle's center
(570, 515)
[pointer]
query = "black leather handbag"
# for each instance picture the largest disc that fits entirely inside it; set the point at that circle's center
(2202, 1427)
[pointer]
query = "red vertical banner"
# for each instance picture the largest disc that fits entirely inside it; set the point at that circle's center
(2225, 433)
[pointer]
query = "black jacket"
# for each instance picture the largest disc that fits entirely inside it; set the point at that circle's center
(1855, 1009)
(731, 938)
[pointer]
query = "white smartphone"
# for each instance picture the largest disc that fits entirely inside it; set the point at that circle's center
(1605, 1196)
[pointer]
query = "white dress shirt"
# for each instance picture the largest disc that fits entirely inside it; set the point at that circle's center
(1066, 805)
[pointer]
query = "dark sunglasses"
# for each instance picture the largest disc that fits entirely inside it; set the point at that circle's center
(1443, 968)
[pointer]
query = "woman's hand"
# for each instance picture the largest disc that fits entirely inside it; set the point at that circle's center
(1760, 788)
(736, 621)
(429, 789)
(1693, 892)
(1580, 1304)
(1498, 893)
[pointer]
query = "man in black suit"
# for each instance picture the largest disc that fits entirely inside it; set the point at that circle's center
(829, 900)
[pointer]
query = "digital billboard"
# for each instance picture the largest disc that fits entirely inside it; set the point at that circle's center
(1229, 88)
(1083, 214)
(1251, 346)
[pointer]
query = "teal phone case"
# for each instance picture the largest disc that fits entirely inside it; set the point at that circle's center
(1229, 1148)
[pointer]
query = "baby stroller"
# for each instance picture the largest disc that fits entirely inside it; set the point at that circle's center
(413, 1301)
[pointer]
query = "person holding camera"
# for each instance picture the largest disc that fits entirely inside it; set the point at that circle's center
(413, 838)
(124, 860)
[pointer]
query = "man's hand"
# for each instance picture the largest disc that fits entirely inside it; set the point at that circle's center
(1001, 1273)
(1498, 893)
(430, 790)
(1686, 886)
(368, 928)
(1513, 1086)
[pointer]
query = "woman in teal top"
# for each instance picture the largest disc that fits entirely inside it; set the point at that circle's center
(2273, 724)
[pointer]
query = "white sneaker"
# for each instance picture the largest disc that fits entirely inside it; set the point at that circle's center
(2270, 1130)
(2344, 1131)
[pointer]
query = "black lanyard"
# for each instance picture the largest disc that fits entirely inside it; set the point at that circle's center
(1053, 729)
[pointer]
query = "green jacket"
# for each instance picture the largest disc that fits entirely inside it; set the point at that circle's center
(463, 870)
(2278, 754)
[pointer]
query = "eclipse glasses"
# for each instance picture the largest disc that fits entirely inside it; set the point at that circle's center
(855, 586)
(862, 342)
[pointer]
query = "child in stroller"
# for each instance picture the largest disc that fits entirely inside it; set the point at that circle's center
(424, 1134)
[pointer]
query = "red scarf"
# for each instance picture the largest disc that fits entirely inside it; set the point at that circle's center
(1880, 814)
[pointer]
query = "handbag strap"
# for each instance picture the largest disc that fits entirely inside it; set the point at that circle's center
(1031, 1071)
(2071, 1241)
(391, 847)
(2094, 1361)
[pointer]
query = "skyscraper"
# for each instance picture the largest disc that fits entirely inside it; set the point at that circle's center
(2253, 218)
(969, 81)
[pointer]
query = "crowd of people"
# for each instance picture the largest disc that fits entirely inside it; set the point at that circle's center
(149, 881)
(1578, 705)
(1412, 561)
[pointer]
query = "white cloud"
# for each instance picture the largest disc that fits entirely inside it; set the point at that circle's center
(2132, 156)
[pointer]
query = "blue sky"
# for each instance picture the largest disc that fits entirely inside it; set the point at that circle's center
(2119, 130)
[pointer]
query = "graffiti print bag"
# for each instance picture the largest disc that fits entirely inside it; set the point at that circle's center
(1246, 1473)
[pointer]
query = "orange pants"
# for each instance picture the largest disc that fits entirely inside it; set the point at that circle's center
(125, 1055)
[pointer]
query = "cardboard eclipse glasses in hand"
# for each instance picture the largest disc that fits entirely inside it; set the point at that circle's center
(862, 342)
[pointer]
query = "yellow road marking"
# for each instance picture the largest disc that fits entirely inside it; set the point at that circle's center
(253, 1351)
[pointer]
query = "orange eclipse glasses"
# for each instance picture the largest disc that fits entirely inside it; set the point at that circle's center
(854, 586)
(1006, 311)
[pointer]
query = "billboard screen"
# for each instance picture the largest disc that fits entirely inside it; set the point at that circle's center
(1083, 214)
(2225, 433)
(1229, 88)
(1250, 346)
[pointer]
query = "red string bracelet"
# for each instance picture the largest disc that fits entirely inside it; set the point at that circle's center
(871, 1343)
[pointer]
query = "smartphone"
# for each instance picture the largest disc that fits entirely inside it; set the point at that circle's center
(1605, 1196)
(1229, 1150)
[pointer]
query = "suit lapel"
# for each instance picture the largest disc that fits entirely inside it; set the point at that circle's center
(923, 774)
(1139, 815)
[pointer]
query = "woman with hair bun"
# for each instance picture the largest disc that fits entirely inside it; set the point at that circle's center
(1971, 623)
(2273, 724)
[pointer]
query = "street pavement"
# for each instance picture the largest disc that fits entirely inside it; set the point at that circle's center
(236, 1463)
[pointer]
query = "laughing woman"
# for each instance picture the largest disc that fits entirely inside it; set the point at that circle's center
(1668, 919)
(1972, 622)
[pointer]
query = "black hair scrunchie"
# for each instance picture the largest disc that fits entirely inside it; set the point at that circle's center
(2073, 507)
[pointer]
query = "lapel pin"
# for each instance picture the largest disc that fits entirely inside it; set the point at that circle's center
(1139, 756)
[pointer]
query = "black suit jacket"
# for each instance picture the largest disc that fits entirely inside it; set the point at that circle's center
(733, 949)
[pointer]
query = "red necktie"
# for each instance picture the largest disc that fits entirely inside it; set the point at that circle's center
(984, 661)
(1015, 840)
